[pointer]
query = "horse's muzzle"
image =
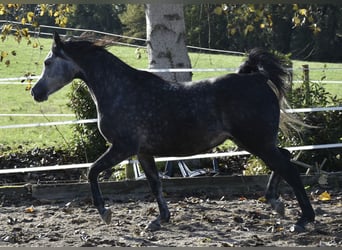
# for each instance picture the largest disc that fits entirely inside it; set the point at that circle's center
(38, 96)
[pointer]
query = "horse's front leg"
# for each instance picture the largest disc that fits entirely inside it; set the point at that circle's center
(148, 164)
(109, 159)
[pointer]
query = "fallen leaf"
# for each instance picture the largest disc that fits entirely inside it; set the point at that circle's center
(262, 199)
(325, 196)
(29, 209)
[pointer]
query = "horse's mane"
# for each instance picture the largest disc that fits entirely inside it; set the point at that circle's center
(74, 46)
(78, 47)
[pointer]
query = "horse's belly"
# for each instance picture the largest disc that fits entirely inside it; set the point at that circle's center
(182, 145)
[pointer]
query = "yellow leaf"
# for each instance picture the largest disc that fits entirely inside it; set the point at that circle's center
(296, 21)
(303, 12)
(218, 10)
(23, 20)
(25, 32)
(30, 16)
(325, 196)
(64, 21)
(262, 25)
(232, 31)
(6, 28)
(259, 13)
(295, 7)
(28, 86)
(42, 9)
(251, 8)
(249, 28)
(29, 210)
(3, 54)
(262, 199)
(2, 9)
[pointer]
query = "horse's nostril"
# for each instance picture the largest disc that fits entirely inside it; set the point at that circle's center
(38, 97)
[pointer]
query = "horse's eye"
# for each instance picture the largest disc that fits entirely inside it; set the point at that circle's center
(47, 63)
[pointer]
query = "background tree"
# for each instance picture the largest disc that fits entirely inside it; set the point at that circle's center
(134, 22)
(166, 47)
(103, 17)
(289, 28)
(204, 28)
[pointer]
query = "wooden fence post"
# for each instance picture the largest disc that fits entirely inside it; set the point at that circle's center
(306, 83)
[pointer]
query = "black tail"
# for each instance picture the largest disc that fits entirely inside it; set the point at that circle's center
(260, 60)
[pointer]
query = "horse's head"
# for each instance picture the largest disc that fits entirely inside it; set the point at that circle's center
(59, 70)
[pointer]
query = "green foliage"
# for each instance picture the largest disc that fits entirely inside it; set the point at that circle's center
(307, 31)
(134, 22)
(255, 166)
(88, 143)
(102, 17)
(204, 28)
(328, 125)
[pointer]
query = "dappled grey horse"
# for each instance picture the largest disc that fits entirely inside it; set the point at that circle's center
(141, 114)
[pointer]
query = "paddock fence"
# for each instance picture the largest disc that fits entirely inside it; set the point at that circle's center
(158, 159)
(22, 81)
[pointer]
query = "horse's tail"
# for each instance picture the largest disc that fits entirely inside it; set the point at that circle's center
(260, 60)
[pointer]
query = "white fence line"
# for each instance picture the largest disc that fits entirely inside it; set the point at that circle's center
(317, 109)
(44, 124)
(37, 115)
(31, 125)
(162, 159)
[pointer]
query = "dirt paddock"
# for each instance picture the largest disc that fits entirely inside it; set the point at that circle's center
(196, 221)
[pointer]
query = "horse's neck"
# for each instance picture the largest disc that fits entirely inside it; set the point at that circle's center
(105, 78)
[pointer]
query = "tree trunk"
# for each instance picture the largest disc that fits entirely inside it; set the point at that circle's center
(166, 46)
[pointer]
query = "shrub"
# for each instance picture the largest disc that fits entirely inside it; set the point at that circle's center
(328, 125)
(88, 143)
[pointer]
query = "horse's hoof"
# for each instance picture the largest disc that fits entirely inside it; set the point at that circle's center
(278, 206)
(107, 216)
(153, 226)
(297, 229)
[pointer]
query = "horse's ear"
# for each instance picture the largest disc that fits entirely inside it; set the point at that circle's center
(57, 40)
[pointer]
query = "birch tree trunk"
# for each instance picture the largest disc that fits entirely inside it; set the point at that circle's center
(166, 47)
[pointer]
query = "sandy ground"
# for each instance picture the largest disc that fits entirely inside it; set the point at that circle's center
(195, 221)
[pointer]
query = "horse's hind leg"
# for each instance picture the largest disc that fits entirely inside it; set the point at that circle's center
(152, 175)
(110, 158)
(272, 189)
(278, 160)
(272, 193)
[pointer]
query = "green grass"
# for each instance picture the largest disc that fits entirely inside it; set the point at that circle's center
(15, 99)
